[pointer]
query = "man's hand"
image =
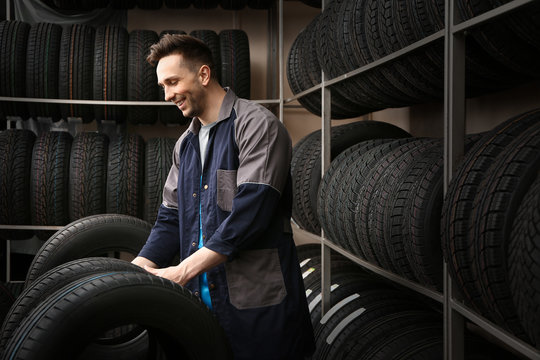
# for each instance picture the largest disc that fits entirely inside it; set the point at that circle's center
(174, 273)
(199, 262)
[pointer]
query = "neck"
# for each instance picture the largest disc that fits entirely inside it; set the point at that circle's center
(214, 98)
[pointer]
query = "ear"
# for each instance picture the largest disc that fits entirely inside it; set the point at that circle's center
(205, 74)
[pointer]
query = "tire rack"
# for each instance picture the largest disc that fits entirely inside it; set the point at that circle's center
(454, 311)
(275, 57)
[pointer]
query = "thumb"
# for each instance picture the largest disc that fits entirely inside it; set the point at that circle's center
(150, 269)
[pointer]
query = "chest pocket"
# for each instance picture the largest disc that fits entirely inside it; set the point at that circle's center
(254, 279)
(226, 189)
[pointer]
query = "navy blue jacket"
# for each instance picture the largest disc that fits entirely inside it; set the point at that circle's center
(245, 197)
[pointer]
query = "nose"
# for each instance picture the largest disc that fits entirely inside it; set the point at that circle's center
(168, 93)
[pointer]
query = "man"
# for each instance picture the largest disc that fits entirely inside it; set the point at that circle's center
(226, 209)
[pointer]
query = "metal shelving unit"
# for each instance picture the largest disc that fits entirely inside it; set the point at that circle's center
(455, 313)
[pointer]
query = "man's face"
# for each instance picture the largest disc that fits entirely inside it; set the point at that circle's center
(182, 86)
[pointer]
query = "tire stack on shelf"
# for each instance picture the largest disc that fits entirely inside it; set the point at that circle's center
(88, 5)
(78, 62)
(490, 239)
(370, 318)
(54, 178)
(382, 201)
(351, 34)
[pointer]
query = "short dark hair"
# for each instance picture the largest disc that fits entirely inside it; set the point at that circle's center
(193, 50)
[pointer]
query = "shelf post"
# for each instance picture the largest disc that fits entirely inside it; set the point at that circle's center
(454, 139)
(326, 129)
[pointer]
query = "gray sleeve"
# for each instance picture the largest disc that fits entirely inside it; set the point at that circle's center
(264, 145)
(170, 193)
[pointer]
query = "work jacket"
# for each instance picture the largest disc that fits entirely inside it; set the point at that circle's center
(243, 195)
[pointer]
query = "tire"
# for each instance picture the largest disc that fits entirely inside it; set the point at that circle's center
(76, 70)
(49, 178)
(233, 4)
(372, 190)
(205, 4)
(355, 312)
(141, 77)
(212, 40)
(42, 61)
(493, 213)
(125, 176)
(149, 4)
(524, 244)
(91, 236)
(235, 62)
(15, 164)
(158, 162)
(110, 71)
(355, 176)
(6, 300)
(123, 4)
(307, 178)
(88, 175)
(260, 4)
(52, 281)
(119, 297)
(331, 188)
(177, 4)
(14, 38)
(459, 198)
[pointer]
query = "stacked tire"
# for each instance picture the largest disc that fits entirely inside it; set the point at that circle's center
(306, 164)
(489, 226)
(371, 319)
(88, 5)
(78, 62)
(351, 34)
(54, 178)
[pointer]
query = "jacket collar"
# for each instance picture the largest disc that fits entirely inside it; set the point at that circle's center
(224, 111)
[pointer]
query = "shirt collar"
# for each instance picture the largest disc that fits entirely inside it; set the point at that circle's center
(224, 111)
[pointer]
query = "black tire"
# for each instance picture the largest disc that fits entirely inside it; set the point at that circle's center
(493, 213)
(49, 178)
(52, 281)
(212, 40)
(15, 164)
(13, 40)
(42, 61)
(87, 175)
(313, 3)
(177, 4)
(76, 70)
(158, 162)
(235, 62)
(123, 4)
(110, 71)
(331, 188)
(360, 309)
(6, 300)
(149, 4)
(119, 297)
(92, 236)
(524, 244)
(233, 4)
(366, 210)
(205, 4)
(307, 178)
(458, 202)
(355, 177)
(125, 176)
(141, 77)
(260, 4)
